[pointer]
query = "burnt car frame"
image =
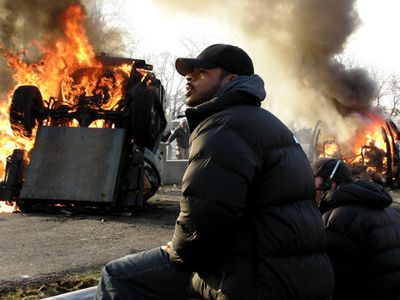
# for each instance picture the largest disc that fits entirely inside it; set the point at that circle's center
(369, 157)
(115, 166)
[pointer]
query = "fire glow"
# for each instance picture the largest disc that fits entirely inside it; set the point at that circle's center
(54, 76)
(372, 133)
(368, 139)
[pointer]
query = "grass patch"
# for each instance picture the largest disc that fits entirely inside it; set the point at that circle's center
(68, 283)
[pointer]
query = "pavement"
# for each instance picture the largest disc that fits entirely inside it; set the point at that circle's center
(40, 246)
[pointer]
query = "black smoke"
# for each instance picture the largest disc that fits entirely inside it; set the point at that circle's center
(22, 22)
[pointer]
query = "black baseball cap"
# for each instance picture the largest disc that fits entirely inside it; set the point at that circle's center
(230, 58)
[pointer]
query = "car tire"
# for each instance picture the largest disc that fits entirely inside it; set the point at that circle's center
(147, 120)
(26, 103)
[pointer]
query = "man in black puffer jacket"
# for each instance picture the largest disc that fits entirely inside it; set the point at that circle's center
(248, 226)
(363, 233)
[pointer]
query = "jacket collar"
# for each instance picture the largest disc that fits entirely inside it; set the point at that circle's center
(243, 90)
(359, 192)
(195, 115)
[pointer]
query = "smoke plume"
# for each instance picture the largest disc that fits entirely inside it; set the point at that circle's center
(22, 22)
(294, 44)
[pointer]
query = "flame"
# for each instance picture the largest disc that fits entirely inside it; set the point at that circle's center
(371, 148)
(331, 149)
(370, 134)
(66, 70)
(8, 207)
(104, 82)
(60, 58)
(367, 147)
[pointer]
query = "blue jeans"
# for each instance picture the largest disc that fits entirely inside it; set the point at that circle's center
(144, 275)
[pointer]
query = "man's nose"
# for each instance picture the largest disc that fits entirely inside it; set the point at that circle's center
(190, 76)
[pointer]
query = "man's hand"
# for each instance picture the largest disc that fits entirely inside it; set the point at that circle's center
(166, 247)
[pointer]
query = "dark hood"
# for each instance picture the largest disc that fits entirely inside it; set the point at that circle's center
(244, 90)
(359, 192)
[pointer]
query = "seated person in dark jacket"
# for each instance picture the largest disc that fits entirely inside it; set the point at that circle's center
(248, 227)
(363, 233)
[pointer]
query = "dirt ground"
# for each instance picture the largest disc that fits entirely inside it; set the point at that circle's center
(40, 246)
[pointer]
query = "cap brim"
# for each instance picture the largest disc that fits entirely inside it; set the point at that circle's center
(186, 65)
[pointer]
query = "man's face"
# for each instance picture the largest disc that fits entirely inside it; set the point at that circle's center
(202, 84)
(318, 183)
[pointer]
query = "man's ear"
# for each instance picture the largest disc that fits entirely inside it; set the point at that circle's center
(229, 78)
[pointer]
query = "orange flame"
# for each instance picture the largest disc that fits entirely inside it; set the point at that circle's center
(367, 147)
(370, 134)
(60, 58)
(331, 149)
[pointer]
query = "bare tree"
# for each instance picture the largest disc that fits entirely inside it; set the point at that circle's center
(394, 87)
(105, 37)
(164, 66)
(388, 96)
(382, 81)
(173, 83)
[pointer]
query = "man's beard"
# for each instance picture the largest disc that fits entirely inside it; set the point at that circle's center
(205, 95)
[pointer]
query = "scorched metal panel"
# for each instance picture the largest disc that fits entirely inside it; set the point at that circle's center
(74, 163)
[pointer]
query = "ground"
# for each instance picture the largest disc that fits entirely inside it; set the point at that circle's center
(49, 253)
(46, 246)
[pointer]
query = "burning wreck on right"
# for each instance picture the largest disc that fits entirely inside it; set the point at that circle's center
(373, 153)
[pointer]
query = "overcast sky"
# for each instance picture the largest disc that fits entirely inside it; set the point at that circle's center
(377, 42)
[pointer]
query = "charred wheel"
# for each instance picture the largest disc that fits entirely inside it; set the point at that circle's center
(26, 104)
(147, 120)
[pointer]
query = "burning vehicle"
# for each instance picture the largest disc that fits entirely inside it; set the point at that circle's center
(85, 128)
(373, 154)
(88, 149)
